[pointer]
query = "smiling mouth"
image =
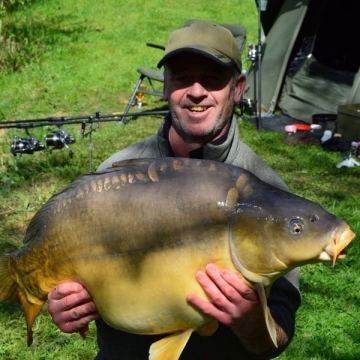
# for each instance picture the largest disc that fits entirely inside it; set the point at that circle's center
(198, 108)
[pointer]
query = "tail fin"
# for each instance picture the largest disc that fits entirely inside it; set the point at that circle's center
(8, 286)
(9, 290)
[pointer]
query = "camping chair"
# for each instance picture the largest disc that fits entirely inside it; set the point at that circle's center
(151, 76)
(145, 74)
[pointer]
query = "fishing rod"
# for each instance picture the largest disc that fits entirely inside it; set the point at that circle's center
(69, 120)
(61, 138)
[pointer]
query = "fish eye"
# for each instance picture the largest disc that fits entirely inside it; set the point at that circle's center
(296, 226)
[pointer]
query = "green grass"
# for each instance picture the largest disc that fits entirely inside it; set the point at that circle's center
(78, 57)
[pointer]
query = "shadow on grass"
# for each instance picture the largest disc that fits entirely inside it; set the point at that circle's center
(10, 309)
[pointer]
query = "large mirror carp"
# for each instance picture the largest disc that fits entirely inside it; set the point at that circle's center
(136, 234)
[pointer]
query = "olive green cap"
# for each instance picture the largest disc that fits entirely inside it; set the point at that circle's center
(205, 38)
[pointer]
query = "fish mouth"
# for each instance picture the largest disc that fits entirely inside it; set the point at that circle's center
(336, 247)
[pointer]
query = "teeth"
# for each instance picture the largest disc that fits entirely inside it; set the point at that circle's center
(197, 108)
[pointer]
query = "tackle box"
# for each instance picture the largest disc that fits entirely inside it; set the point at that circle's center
(348, 121)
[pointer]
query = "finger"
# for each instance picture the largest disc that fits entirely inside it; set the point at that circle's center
(65, 289)
(76, 325)
(81, 311)
(218, 305)
(221, 292)
(239, 285)
(69, 302)
(231, 285)
(210, 280)
(208, 308)
(76, 318)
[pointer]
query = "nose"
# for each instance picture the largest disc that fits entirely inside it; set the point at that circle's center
(196, 90)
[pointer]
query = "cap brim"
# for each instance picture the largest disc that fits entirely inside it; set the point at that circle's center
(225, 61)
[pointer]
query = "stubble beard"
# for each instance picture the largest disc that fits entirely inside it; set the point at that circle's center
(206, 134)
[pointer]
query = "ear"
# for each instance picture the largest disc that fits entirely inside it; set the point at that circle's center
(239, 87)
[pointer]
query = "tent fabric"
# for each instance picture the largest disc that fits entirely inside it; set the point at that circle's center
(309, 60)
(281, 20)
(354, 94)
(315, 89)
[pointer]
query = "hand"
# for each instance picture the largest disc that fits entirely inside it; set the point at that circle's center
(236, 305)
(71, 307)
(231, 301)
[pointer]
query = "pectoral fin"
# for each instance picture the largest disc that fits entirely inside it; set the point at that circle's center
(170, 347)
(208, 329)
(270, 323)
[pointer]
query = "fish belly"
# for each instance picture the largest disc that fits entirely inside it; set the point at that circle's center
(149, 296)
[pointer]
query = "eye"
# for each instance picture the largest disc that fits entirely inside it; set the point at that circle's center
(182, 79)
(296, 226)
(215, 82)
(212, 79)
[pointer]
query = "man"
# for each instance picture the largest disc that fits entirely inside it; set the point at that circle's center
(202, 82)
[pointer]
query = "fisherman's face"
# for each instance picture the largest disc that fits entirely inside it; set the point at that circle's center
(201, 95)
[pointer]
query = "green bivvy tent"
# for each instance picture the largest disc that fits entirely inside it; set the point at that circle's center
(310, 57)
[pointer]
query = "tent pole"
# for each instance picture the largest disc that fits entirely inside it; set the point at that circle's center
(261, 6)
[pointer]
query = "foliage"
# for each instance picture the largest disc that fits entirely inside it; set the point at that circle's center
(80, 57)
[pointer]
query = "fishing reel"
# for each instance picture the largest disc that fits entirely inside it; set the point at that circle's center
(247, 106)
(59, 139)
(26, 145)
(253, 53)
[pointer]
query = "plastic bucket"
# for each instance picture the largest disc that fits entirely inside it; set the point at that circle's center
(326, 121)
